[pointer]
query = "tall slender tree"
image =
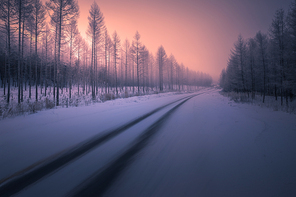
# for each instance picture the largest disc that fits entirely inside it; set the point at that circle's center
(144, 60)
(136, 47)
(291, 25)
(38, 15)
(62, 12)
(22, 10)
(161, 58)
(8, 17)
(251, 49)
(46, 39)
(106, 55)
(126, 50)
(95, 30)
(277, 33)
(71, 34)
(78, 42)
(262, 42)
(172, 62)
(116, 50)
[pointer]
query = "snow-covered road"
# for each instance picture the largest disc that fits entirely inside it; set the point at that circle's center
(209, 146)
(37, 136)
(214, 147)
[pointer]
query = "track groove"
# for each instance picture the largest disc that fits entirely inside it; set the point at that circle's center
(28, 176)
(100, 181)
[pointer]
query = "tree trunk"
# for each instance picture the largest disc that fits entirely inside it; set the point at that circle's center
(23, 70)
(59, 50)
(36, 59)
(19, 53)
(9, 51)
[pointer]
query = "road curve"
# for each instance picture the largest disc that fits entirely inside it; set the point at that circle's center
(26, 177)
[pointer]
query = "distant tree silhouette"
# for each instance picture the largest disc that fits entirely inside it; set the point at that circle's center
(116, 49)
(95, 30)
(161, 58)
(62, 13)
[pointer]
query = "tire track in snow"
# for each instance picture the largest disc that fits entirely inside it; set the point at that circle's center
(33, 173)
(99, 182)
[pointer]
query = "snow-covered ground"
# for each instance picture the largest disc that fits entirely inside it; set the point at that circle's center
(211, 146)
(84, 98)
(270, 101)
(30, 138)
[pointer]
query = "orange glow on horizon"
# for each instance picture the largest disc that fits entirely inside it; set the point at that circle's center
(188, 45)
(199, 33)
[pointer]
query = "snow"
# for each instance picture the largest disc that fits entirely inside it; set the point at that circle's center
(36, 136)
(211, 146)
(97, 159)
(214, 147)
(82, 99)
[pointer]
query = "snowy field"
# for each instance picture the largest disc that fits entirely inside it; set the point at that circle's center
(211, 146)
(82, 99)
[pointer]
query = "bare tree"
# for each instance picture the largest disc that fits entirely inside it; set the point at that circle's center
(71, 34)
(78, 42)
(262, 42)
(107, 45)
(8, 17)
(136, 47)
(126, 50)
(291, 25)
(161, 58)
(95, 28)
(30, 28)
(182, 70)
(277, 33)
(46, 39)
(144, 59)
(171, 66)
(251, 49)
(236, 65)
(22, 10)
(271, 59)
(133, 68)
(116, 49)
(62, 13)
(38, 15)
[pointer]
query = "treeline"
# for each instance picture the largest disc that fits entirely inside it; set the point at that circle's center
(266, 63)
(41, 50)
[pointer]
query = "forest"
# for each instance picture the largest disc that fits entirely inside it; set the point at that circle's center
(44, 58)
(265, 64)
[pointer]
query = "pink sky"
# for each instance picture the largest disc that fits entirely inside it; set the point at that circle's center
(199, 33)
